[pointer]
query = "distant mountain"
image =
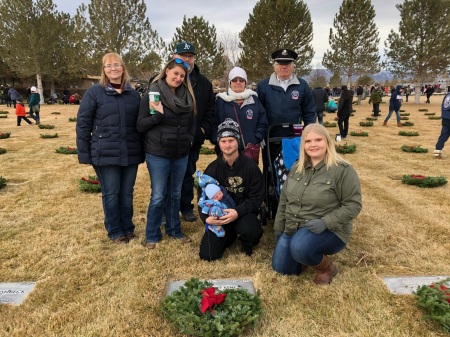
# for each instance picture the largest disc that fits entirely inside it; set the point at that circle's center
(381, 77)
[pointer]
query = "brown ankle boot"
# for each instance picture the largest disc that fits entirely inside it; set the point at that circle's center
(325, 270)
(384, 123)
(399, 124)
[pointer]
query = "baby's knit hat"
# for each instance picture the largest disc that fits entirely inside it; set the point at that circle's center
(211, 190)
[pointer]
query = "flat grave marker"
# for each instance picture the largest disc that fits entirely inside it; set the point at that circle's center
(221, 285)
(407, 285)
(15, 293)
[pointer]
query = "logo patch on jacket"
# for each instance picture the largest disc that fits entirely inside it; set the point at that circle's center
(249, 114)
(295, 94)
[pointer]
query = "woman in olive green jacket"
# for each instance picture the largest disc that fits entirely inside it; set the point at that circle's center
(319, 199)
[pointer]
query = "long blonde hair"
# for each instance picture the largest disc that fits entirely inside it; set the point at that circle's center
(170, 65)
(104, 80)
(332, 158)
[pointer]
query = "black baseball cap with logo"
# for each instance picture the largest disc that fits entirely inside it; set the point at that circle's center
(184, 47)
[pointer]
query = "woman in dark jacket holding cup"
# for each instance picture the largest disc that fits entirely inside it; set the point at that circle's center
(169, 129)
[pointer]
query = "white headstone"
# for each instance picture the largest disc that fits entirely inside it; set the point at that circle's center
(407, 285)
(15, 293)
(219, 284)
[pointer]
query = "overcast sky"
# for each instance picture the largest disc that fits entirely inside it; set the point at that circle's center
(232, 15)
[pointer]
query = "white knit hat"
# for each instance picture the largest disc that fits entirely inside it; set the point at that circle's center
(237, 72)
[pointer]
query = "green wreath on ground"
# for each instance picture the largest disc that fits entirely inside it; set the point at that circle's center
(45, 136)
(415, 149)
(407, 123)
(404, 118)
(3, 116)
(207, 151)
(434, 299)
(423, 109)
(408, 133)
(371, 118)
(67, 150)
(405, 114)
(366, 123)
(4, 135)
(329, 125)
(4, 112)
(359, 134)
(430, 113)
(46, 126)
(2, 182)
(3, 150)
(345, 148)
(90, 185)
(434, 117)
(72, 119)
(423, 181)
(55, 113)
(228, 313)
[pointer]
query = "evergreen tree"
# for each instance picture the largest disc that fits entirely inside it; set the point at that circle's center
(209, 53)
(365, 80)
(122, 27)
(354, 46)
(273, 25)
(35, 36)
(420, 48)
(335, 80)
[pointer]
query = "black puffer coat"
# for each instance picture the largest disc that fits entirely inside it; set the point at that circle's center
(106, 127)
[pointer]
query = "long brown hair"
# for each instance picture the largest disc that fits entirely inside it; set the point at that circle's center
(104, 80)
(170, 65)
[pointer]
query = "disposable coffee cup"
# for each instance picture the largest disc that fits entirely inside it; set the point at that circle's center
(338, 138)
(154, 98)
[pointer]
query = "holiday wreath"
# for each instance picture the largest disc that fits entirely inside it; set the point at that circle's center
(67, 150)
(72, 119)
(90, 185)
(4, 135)
(55, 113)
(366, 123)
(434, 117)
(434, 299)
(3, 150)
(3, 116)
(197, 309)
(345, 148)
(405, 114)
(359, 134)
(46, 126)
(407, 123)
(329, 125)
(415, 149)
(430, 113)
(4, 112)
(408, 133)
(46, 135)
(371, 118)
(423, 181)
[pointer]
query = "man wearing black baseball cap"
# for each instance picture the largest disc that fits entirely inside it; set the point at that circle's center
(204, 98)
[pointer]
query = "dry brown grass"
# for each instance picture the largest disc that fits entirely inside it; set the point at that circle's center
(86, 286)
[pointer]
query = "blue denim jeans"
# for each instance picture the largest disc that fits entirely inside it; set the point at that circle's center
(187, 188)
(166, 176)
(117, 196)
(445, 133)
(391, 110)
(304, 247)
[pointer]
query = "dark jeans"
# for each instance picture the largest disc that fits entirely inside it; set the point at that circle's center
(19, 119)
(250, 232)
(35, 115)
(445, 133)
(187, 188)
(304, 247)
(343, 125)
(319, 116)
(117, 196)
(376, 110)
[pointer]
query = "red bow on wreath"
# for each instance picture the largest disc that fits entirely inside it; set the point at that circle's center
(94, 182)
(210, 299)
(417, 176)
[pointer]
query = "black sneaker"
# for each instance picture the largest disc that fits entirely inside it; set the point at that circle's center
(247, 250)
(189, 216)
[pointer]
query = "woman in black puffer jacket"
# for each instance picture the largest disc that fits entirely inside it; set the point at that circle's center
(169, 129)
(107, 139)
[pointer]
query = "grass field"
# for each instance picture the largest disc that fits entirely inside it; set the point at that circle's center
(53, 234)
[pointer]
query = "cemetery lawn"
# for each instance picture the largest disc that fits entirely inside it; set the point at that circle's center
(53, 234)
